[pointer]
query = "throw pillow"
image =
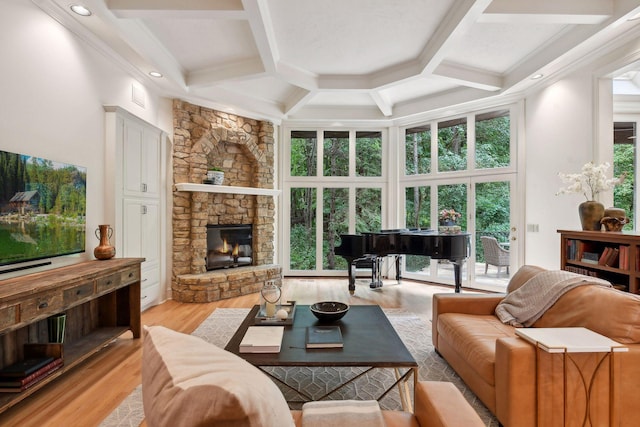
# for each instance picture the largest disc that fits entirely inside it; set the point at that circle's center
(522, 276)
(189, 382)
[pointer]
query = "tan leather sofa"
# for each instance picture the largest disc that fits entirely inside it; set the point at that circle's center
(437, 404)
(501, 369)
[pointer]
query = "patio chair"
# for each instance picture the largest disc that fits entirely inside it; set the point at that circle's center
(494, 254)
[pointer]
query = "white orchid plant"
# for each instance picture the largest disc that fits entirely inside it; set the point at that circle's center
(590, 182)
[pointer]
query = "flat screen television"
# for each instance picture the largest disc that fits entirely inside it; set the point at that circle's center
(42, 210)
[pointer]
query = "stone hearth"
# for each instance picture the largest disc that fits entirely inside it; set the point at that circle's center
(244, 150)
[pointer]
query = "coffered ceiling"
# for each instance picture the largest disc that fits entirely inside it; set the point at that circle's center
(346, 59)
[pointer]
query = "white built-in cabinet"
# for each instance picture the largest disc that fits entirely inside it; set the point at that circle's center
(138, 198)
(141, 161)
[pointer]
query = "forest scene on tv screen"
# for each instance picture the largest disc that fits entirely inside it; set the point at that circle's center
(42, 208)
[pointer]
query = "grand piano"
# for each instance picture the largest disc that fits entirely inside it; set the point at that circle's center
(370, 248)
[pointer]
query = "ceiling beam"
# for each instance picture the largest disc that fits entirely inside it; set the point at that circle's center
(251, 68)
(461, 17)
(297, 76)
(298, 99)
(382, 102)
(470, 77)
(177, 9)
(571, 47)
(261, 26)
(548, 11)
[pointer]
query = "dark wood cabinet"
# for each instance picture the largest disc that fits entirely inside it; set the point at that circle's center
(101, 300)
(613, 256)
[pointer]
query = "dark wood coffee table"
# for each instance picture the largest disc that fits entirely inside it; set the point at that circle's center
(369, 341)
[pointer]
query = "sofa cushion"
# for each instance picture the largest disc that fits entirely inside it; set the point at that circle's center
(607, 311)
(474, 337)
(522, 276)
(189, 382)
(342, 413)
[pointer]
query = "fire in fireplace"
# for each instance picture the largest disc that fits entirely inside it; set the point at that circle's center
(229, 246)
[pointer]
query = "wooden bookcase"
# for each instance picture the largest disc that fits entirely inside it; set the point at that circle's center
(101, 300)
(623, 272)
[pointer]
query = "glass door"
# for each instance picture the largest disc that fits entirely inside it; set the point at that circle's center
(494, 237)
(486, 207)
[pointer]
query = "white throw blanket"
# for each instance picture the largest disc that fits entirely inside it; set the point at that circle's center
(342, 413)
(529, 302)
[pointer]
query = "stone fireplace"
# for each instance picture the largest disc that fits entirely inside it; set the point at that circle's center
(244, 149)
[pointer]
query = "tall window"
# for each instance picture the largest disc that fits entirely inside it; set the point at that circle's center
(336, 153)
(624, 161)
(418, 150)
(465, 164)
(417, 216)
(493, 140)
(335, 186)
(452, 145)
(302, 237)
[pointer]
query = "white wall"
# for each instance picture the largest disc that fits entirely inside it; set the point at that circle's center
(52, 90)
(568, 124)
(559, 138)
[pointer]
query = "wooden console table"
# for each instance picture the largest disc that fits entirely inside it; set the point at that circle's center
(101, 300)
(574, 363)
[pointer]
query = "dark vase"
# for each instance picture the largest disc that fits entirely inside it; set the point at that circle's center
(447, 222)
(591, 212)
(104, 250)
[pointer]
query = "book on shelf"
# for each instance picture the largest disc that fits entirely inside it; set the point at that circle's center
(18, 384)
(324, 337)
(624, 258)
(604, 255)
(590, 257)
(612, 260)
(579, 270)
(25, 367)
(262, 339)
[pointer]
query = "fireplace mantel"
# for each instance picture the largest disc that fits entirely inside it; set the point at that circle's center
(228, 189)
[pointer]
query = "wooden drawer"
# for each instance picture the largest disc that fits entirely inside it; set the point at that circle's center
(108, 282)
(9, 316)
(130, 275)
(41, 305)
(78, 293)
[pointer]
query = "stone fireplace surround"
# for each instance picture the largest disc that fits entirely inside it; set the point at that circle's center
(244, 149)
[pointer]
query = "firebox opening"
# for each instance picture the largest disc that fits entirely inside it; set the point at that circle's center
(229, 246)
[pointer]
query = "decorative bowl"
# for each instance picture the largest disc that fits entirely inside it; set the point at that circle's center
(329, 311)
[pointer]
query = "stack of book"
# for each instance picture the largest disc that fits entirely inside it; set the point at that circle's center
(22, 375)
(262, 339)
(609, 257)
(324, 337)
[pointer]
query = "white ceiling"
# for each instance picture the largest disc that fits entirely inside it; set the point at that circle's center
(346, 59)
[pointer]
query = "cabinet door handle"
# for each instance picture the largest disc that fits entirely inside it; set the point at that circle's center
(144, 187)
(42, 305)
(144, 210)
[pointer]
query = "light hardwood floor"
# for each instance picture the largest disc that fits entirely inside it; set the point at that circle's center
(90, 392)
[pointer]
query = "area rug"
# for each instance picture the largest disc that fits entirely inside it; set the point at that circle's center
(414, 332)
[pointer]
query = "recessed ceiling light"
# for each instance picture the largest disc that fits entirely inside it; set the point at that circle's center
(155, 74)
(80, 10)
(537, 76)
